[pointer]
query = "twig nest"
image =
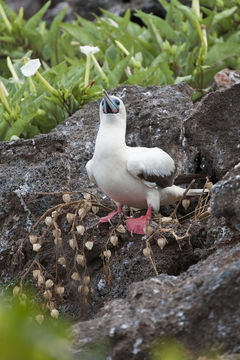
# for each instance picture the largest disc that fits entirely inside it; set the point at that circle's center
(81, 260)
(66, 198)
(48, 220)
(185, 203)
(162, 242)
(36, 247)
(80, 229)
(39, 318)
(62, 261)
(75, 276)
(70, 217)
(33, 239)
(49, 283)
(147, 252)
(89, 245)
(54, 313)
(114, 240)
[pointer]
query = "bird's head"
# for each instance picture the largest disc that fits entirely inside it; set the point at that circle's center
(112, 107)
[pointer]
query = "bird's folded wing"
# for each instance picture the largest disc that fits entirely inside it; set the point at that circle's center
(153, 166)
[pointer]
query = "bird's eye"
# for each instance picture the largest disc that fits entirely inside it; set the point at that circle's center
(102, 102)
(117, 102)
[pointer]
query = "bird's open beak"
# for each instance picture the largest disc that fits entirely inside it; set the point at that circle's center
(109, 105)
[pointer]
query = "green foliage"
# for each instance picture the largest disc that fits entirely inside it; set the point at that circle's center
(23, 338)
(191, 44)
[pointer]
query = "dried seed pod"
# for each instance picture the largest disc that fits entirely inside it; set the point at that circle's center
(107, 254)
(33, 239)
(114, 240)
(80, 288)
(58, 241)
(86, 280)
(51, 305)
(61, 261)
(66, 198)
(166, 219)
(209, 185)
(147, 252)
(185, 203)
(70, 217)
(80, 229)
(40, 280)
(39, 318)
(121, 229)
(85, 290)
(54, 214)
(60, 290)
(49, 283)
(87, 196)
(95, 209)
(36, 274)
(75, 276)
(47, 294)
(16, 290)
(87, 205)
(81, 260)
(89, 245)
(54, 313)
(48, 221)
(37, 247)
(148, 230)
(81, 212)
(72, 243)
(56, 233)
(162, 242)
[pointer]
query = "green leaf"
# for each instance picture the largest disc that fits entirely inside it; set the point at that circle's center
(116, 74)
(35, 19)
(221, 51)
(54, 35)
(224, 14)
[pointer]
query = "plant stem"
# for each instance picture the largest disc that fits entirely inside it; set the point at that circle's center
(46, 84)
(100, 70)
(3, 97)
(11, 69)
(87, 71)
(5, 19)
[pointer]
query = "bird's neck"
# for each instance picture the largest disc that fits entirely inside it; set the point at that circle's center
(110, 139)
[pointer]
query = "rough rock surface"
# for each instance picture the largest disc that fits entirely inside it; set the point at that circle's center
(195, 296)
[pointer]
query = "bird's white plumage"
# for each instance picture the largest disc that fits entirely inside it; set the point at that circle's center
(127, 174)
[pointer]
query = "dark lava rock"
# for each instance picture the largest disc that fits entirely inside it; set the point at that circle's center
(197, 304)
(213, 128)
(200, 308)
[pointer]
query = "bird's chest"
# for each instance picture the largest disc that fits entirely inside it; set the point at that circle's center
(115, 181)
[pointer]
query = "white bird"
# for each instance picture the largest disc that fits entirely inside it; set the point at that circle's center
(139, 177)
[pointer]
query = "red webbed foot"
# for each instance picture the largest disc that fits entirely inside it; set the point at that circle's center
(111, 215)
(138, 225)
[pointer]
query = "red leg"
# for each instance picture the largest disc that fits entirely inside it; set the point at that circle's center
(137, 225)
(111, 215)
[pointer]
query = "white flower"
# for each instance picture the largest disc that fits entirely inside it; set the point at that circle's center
(31, 67)
(89, 49)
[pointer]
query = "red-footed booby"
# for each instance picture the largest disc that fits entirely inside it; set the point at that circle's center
(139, 177)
